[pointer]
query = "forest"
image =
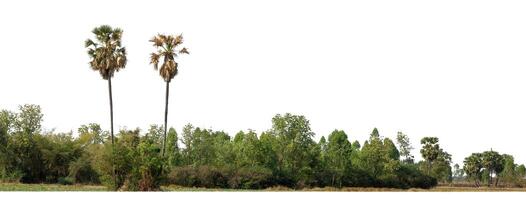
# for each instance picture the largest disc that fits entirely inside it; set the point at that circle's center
(285, 155)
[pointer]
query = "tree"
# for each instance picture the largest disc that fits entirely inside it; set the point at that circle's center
(493, 162)
(509, 173)
(375, 158)
(437, 162)
(338, 156)
(167, 51)
(458, 173)
(172, 149)
(247, 149)
(473, 167)
(294, 147)
(24, 143)
(29, 119)
(391, 149)
(521, 171)
(430, 151)
(7, 170)
(107, 57)
(92, 134)
(404, 143)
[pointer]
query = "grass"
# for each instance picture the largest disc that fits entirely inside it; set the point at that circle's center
(49, 187)
(175, 188)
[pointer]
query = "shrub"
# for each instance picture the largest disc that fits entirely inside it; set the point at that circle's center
(202, 176)
(138, 163)
(65, 181)
(81, 171)
(251, 178)
(10, 177)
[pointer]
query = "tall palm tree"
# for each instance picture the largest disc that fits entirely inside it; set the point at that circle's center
(167, 51)
(107, 57)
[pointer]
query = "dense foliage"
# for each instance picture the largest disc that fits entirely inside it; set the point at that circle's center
(286, 155)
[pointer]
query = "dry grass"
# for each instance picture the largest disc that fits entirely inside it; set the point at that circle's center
(49, 187)
(175, 188)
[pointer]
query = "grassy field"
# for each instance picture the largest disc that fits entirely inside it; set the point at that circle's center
(49, 187)
(174, 188)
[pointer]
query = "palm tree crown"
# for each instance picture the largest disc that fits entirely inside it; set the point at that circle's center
(107, 55)
(167, 50)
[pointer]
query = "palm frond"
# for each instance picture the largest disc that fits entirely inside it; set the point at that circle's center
(184, 50)
(178, 40)
(154, 59)
(89, 43)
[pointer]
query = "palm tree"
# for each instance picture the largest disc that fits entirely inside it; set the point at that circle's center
(107, 57)
(167, 51)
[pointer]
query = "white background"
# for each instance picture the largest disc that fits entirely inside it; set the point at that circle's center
(451, 69)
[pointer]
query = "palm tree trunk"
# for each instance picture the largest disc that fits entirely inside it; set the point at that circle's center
(166, 115)
(112, 138)
(111, 111)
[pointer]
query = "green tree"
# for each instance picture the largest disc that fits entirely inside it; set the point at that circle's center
(247, 148)
(521, 171)
(167, 51)
(28, 157)
(508, 174)
(404, 144)
(294, 147)
(458, 173)
(338, 156)
(437, 162)
(379, 158)
(430, 151)
(172, 149)
(473, 167)
(493, 162)
(391, 149)
(8, 172)
(91, 134)
(29, 119)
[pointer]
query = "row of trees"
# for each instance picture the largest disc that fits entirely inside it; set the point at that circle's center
(492, 168)
(286, 154)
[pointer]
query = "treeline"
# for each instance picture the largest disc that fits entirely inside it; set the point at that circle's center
(492, 169)
(285, 155)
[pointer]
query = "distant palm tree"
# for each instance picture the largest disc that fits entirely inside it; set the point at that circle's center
(167, 51)
(107, 57)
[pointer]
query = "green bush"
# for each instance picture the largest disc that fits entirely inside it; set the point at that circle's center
(65, 181)
(202, 176)
(10, 177)
(251, 178)
(137, 163)
(81, 171)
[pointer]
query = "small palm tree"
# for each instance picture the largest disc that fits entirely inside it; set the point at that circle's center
(167, 51)
(107, 57)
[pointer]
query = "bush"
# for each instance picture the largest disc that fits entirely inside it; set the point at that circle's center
(65, 181)
(409, 176)
(202, 176)
(10, 177)
(183, 176)
(81, 171)
(251, 178)
(138, 163)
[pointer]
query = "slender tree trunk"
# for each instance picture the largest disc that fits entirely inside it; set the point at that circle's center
(111, 111)
(166, 115)
(112, 137)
